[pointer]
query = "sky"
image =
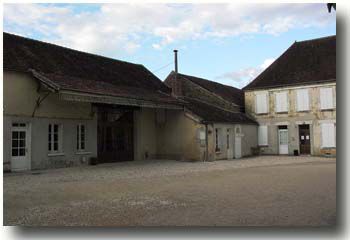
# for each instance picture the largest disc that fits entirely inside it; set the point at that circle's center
(226, 43)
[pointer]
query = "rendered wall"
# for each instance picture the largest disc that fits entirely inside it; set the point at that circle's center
(20, 96)
(178, 137)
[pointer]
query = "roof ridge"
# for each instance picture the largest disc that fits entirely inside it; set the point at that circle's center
(216, 106)
(70, 49)
(224, 85)
(316, 39)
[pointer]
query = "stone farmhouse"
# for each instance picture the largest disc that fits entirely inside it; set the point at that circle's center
(64, 107)
(294, 100)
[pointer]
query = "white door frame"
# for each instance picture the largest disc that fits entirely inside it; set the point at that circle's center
(27, 129)
(283, 149)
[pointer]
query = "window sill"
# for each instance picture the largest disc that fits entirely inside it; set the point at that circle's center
(303, 111)
(284, 112)
(263, 145)
(55, 154)
(261, 113)
(83, 153)
(328, 109)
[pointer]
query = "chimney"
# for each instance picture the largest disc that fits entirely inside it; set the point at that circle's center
(175, 55)
(177, 84)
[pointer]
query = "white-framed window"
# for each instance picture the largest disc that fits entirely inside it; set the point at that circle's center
(326, 98)
(218, 139)
(81, 133)
(328, 135)
(281, 102)
(261, 102)
(55, 138)
(302, 99)
(262, 136)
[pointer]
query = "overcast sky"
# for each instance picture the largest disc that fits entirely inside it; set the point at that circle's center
(230, 44)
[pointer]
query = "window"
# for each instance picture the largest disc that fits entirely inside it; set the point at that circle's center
(262, 136)
(303, 100)
(217, 139)
(80, 137)
(281, 102)
(326, 98)
(18, 139)
(55, 132)
(328, 134)
(261, 103)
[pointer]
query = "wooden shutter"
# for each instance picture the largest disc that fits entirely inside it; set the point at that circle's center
(328, 135)
(303, 100)
(326, 98)
(262, 136)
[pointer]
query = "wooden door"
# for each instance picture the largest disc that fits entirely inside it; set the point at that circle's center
(304, 139)
(115, 138)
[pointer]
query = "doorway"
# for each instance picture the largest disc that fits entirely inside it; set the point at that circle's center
(283, 139)
(304, 139)
(115, 142)
(20, 147)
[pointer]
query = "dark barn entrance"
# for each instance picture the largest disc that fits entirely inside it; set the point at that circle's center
(304, 139)
(115, 130)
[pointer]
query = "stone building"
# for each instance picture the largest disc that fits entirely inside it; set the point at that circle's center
(294, 100)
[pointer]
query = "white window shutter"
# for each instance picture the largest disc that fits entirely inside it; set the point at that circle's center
(262, 136)
(328, 135)
(326, 98)
(303, 100)
(261, 102)
(281, 99)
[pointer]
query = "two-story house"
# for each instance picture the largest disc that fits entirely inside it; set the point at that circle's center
(294, 100)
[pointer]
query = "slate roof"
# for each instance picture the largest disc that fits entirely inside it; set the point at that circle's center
(210, 113)
(306, 62)
(79, 71)
(228, 93)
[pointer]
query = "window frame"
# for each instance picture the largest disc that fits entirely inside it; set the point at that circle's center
(322, 135)
(266, 141)
(300, 91)
(79, 137)
(278, 97)
(217, 140)
(266, 95)
(51, 140)
(323, 98)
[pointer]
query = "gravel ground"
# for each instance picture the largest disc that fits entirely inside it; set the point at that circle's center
(268, 190)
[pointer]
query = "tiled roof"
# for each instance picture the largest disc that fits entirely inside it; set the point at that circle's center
(84, 72)
(231, 94)
(306, 62)
(211, 113)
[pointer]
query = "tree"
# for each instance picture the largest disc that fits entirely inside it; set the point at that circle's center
(330, 6)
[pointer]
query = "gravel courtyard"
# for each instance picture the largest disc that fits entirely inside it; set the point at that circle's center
(259, 191)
